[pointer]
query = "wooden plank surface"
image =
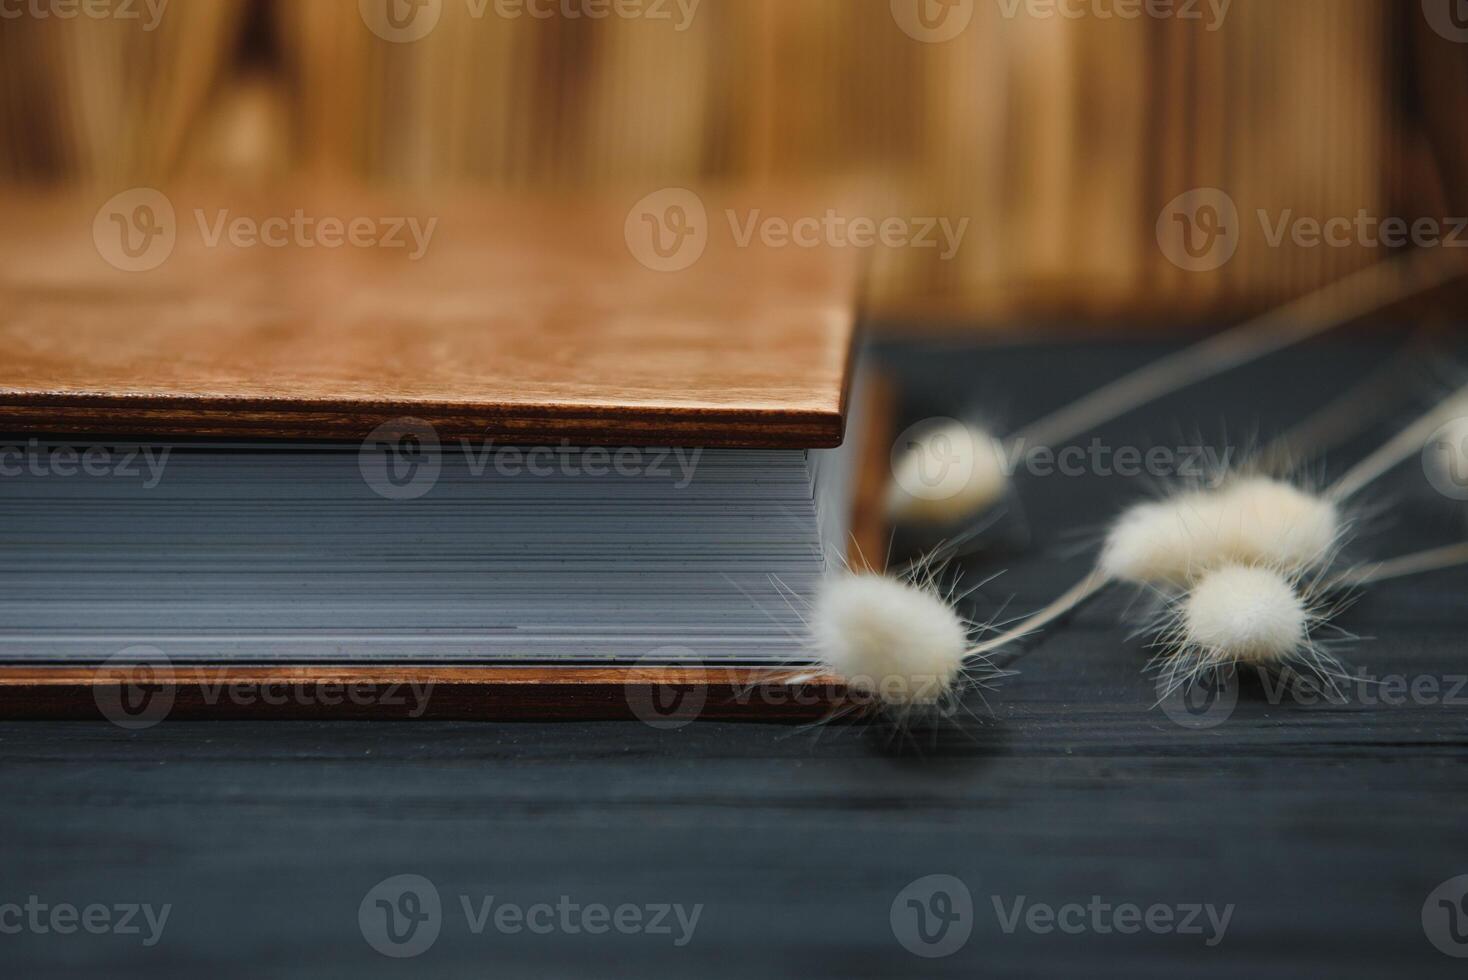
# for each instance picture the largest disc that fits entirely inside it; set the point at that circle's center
(1326, 827)
(513, 319)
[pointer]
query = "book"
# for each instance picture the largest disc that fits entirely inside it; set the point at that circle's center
(523, 457)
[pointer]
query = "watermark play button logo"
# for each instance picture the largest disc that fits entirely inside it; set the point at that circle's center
(1449, 18)
(933, 917)
(1445, 459)
(932, 21)
(401, 459)
(1201, 703)
(401, 916)
(400, 21)
(135, 231)
(1199, 230)
(1445, 917)
(655, 700)
(135, 688)
(668, 230)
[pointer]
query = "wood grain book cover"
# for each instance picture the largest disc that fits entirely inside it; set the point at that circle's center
(322, 314)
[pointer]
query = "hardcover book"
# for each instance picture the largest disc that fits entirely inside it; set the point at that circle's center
(523, 455)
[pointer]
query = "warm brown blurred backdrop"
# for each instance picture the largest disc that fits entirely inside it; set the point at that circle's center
(1060, 129)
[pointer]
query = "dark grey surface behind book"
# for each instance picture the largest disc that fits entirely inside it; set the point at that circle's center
(1326, 827)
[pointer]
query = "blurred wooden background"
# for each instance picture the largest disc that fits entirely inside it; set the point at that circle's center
(1061, 139)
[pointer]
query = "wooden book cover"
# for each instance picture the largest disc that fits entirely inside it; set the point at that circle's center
(320, 314)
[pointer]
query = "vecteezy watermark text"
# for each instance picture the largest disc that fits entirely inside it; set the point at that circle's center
(42, 918)
(1363, 230)
(673, 920)
(935, 915)
(307, 231)
(675, 464)
(1211, 699)
(148, 13)
(1211, 13)
(1102, 917)
(137, 688)
(937, 21)
(669, 230)
(402, 916)
(402, 459)
(406, 21)
(679, 13)
(837, 230)
(142, 463)
(938, 459)
(138, 230)
(1201, 229)
(672, 699)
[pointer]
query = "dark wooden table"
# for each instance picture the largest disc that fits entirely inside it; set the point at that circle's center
(1325, 826)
